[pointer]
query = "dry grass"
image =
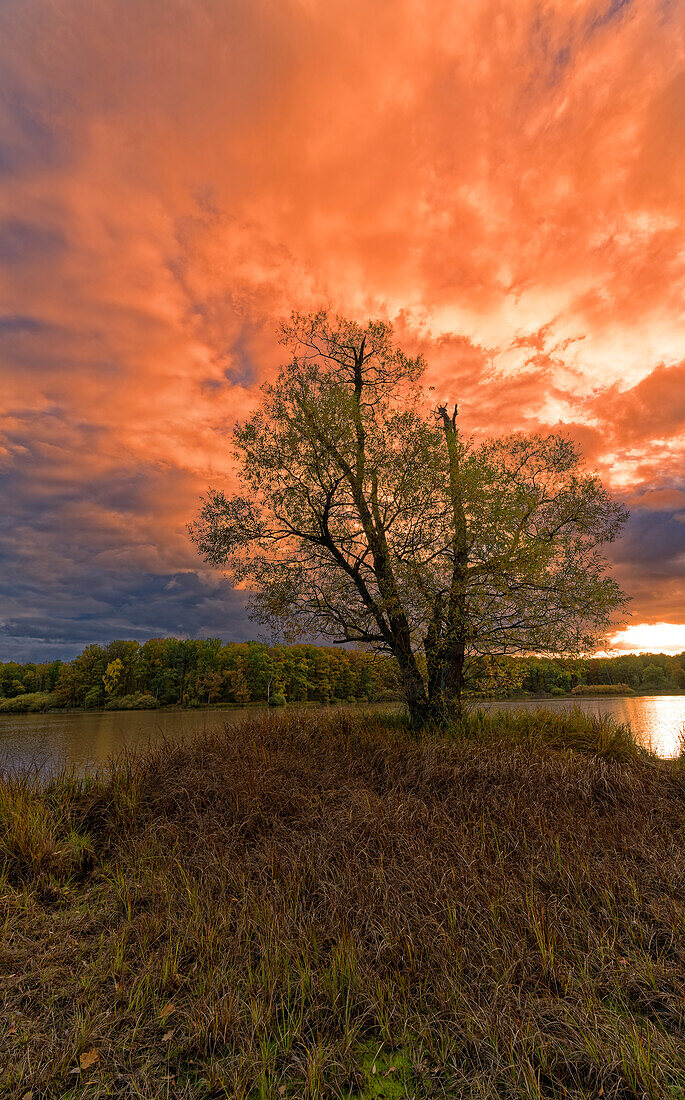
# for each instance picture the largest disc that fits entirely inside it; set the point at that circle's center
(280, 909)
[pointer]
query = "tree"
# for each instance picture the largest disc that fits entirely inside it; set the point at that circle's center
(654, 676)
(113, 676)
(210, 683)
(367, 517)
(126, 653)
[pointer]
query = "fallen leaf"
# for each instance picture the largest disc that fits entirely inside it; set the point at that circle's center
(167, 1010)
(27, 1096)
(89, 1058)
(13, 1031)
(390, 1069)
(374, 1068)
(166, 1036)
(281, 1091)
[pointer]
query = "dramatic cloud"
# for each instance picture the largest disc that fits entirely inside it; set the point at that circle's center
(504, 180)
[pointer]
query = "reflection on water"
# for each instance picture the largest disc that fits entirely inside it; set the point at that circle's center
(656, 720)
(88, 739)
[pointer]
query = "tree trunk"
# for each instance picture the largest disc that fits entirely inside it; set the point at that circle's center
(445, 680)
(413, 688)
(445, 653)
(448, 702)
(445, 642)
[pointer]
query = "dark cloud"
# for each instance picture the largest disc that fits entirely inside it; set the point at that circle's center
(613, 10)
(649, 562)
(27, 139)
(21, 242)
(654, 542)
(14, 324)
(77, 530)
(60, 617)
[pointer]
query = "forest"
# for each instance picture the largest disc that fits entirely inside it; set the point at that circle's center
(208, 672)
(197, 672)
(638, 672)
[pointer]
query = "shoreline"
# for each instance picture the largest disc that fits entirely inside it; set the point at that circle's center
(313, 705)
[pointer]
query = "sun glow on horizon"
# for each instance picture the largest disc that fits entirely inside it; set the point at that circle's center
(648, 638)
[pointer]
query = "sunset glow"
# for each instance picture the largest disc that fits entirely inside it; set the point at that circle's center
(649, 638)
(502, 180)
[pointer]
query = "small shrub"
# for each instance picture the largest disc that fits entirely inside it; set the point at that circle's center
(557, 691)
(138, 701)
(36, 837)
(31, 703)
(93, 698)
(27, 840)
(277, 700)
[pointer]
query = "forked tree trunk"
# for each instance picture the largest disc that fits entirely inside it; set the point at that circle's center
(413, 687)
(445, 641)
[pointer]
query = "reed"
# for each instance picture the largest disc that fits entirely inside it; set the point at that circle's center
(326, 906)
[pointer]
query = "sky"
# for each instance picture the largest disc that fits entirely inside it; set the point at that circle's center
(502, 180)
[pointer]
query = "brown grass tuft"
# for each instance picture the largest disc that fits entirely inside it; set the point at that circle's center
(279, 909)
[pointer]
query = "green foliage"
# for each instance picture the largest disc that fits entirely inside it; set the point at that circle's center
(168, 671)
(18, 679)
(277, 700)
(626, 674)
(94, 697)
(205, 672)
(113, 676)
(26, 704)
(138, 701)
(654, 676)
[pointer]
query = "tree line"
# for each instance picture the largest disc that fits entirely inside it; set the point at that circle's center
(199, 672)
(639, 671)
(208, 672)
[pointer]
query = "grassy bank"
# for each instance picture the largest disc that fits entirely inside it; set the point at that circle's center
(39, 702)
(318, 905)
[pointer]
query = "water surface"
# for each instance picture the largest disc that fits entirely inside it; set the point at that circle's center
(656, 720)
(88, 739)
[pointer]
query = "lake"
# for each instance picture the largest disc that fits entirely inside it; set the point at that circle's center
(88, 739)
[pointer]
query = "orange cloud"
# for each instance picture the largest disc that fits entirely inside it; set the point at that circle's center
(503, 180)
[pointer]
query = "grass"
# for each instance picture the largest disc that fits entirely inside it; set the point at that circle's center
(315, 905)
